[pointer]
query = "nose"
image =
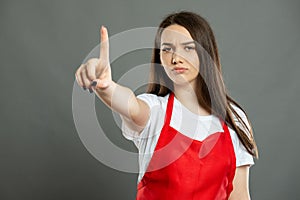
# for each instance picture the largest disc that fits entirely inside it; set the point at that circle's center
(175, 59)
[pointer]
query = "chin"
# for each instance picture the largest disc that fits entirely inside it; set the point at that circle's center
(181, 82)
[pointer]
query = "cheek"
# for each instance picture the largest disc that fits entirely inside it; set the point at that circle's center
(161, 59)
(166, 65)
(164, 61)
(194, 62)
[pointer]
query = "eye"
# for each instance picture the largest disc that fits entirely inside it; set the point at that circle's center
(189, 48)
(166, 49)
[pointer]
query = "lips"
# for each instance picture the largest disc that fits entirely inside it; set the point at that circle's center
(179, 69)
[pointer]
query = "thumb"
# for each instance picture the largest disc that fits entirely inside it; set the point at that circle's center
(100, 84)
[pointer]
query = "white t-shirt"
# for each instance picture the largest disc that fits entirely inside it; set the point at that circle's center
(186, 122)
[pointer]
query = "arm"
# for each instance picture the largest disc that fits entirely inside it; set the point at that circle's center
(240, 184)
(95, 75)
(135, 112)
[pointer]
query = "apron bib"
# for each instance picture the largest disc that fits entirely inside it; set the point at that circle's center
(185, 169)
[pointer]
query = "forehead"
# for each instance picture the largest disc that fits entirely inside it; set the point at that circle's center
(175, 33)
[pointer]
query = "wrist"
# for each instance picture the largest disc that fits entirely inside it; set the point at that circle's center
(108, 90)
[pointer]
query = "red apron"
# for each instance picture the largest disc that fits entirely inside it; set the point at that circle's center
(185, 169)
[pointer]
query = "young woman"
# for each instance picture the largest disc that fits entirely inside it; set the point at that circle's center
(194, 140)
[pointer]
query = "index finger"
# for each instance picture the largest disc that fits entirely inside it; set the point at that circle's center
(104, 45)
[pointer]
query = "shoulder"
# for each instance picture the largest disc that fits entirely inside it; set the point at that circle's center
(152, 128)
(153, 100)
(243, 157)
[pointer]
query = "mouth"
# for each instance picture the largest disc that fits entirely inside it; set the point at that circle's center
(179, 70)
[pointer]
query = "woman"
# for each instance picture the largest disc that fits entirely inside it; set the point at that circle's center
(195, 142)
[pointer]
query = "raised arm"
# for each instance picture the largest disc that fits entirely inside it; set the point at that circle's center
(95, 75)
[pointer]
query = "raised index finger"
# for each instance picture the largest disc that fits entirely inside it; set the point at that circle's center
(104, 45)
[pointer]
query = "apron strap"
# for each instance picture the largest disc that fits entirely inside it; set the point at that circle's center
(169, 108)
(224, 126)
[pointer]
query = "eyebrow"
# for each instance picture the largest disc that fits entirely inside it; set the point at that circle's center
(184, 43)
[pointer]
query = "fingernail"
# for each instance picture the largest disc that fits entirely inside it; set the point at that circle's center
(90, 90)
(84, 87)
(94, 83)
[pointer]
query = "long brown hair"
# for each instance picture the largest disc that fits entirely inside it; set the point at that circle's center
(211, 91)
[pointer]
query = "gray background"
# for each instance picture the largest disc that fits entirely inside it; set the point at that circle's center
(42, 44)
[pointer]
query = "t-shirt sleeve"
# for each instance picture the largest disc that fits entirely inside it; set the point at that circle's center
(243, 157)
(153, 102)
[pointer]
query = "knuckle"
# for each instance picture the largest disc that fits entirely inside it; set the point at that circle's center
(87, 76)
(78, 79)
(85, 81)
(92, 61)
(91, 75)
(77, 73)
(82, 72)
(81, 67)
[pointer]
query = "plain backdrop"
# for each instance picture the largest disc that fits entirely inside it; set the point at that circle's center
(43, 43)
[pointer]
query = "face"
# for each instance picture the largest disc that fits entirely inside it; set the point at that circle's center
(178, 55)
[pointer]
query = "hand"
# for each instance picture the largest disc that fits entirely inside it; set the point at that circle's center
(96, 73)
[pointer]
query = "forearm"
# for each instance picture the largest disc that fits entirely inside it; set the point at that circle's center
(120, 99)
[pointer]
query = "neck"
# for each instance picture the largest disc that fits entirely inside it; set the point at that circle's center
(186, 95)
